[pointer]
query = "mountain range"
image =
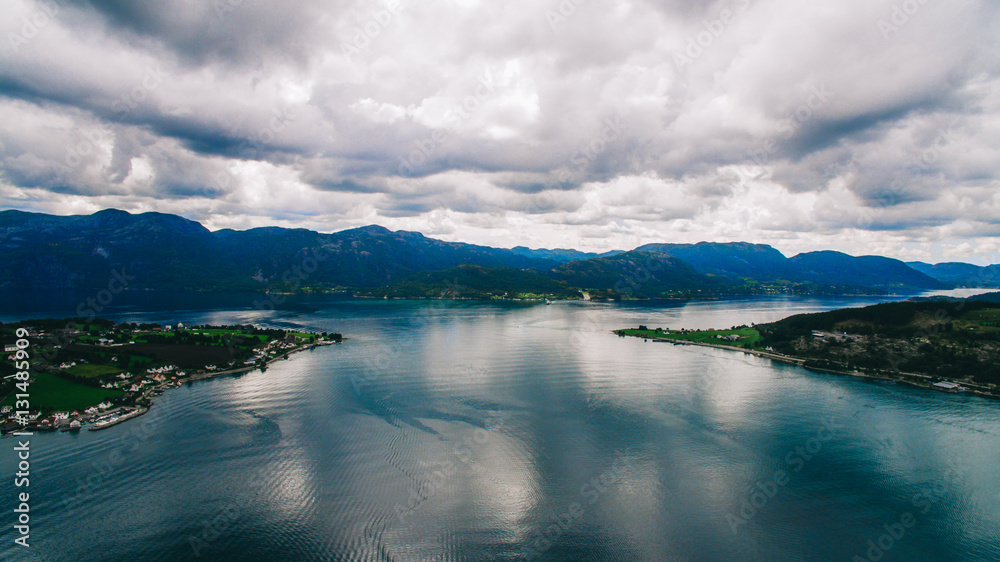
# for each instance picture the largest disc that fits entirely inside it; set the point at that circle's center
(960, 274)
(162, 251)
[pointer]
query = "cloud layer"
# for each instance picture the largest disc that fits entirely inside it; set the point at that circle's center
(869, 126)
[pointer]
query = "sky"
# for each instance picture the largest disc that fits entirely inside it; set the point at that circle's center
(865, 126)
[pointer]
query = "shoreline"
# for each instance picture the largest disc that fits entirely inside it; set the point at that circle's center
(139, 409)
(98, 426)
(801, 362)
(693, 297)
(248, 368)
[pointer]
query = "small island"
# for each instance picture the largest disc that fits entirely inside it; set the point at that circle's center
(96, 373)
(944, 345)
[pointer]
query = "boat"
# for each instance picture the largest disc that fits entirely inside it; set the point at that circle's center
(547, 301)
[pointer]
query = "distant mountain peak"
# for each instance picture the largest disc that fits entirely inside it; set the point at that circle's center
(370, 229)
(112, 213)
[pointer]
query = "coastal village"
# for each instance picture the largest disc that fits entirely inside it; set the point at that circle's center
(95, 374)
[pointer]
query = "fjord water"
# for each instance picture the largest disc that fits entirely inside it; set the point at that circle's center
(476, 431)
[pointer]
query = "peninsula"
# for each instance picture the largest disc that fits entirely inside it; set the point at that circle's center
(946, 345)
(96, 373)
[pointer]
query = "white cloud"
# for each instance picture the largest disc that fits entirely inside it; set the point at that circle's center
(306, 114)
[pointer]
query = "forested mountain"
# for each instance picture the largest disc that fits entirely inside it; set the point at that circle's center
(162, 251)
(961, 274)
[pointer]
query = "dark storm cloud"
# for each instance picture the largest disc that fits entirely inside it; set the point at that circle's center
(819, 135)
(244, 32)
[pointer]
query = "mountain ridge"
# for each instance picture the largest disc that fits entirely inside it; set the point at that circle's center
(961, 274)
(168, 251)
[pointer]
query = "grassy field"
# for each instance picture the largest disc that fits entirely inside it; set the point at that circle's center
(51, 393)
(184, 355)
(748, 336)
(235, 333)
(89, 371)
(987, 318)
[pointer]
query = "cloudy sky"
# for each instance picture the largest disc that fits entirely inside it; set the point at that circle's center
(867, 126)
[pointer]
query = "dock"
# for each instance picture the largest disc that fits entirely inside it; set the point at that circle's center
(117, 419)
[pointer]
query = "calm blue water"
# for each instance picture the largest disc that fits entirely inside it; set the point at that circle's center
(459, 431)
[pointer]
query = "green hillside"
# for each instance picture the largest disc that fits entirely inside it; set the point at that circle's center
(952, 339)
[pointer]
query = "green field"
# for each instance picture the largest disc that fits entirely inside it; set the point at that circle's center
(89, 371)
(749, 337)
(50, 393)
(983, 320)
